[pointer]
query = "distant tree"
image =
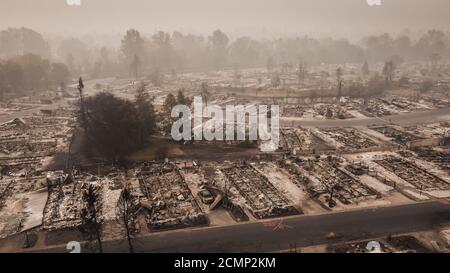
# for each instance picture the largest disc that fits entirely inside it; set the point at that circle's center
(435, 58)
(245, 52)
(133, 45)
(3, 82)
(434, 41)
(355, 90)
(276, 80)
(35, 71)
(19, 41)
(135, 66)
(365, 69)
(76, 54)
(156, 77)
(378, 47)
(339, 73)
(301, 71)
(164, 54)
(236, 72)
(388, 71)
(14, 76)
(90, 215)
(426, 85)
(59, 74)
(403, 81)
(70, 62)
(397, 60)
(375, 87)
(219, 42)
(270, 64)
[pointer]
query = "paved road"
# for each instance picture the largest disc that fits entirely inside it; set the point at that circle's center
(299, 231)
(436, 115)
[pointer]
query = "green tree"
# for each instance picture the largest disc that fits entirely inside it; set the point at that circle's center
(146, 114)
(114, 125)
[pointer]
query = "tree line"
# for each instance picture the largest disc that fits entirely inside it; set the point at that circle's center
(24, 74)
(137, 53)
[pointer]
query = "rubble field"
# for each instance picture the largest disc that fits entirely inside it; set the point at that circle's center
(398, 136)
(346, 138)
(413, 174)
(170, 199)
(262, 198)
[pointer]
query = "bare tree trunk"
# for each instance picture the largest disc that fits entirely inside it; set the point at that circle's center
(99, 240)
(127, 227)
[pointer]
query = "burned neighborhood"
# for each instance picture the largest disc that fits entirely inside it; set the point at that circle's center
(359, 149)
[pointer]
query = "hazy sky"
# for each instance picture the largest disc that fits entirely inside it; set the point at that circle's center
(320, 17)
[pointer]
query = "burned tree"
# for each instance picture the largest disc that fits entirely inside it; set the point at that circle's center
(204, 92)
(125, 212)
(90, 215)
(135, 66)
(365, 69)
(270, 64)
(301, 71)
(388, 72)
(275, 80)
(339, 73)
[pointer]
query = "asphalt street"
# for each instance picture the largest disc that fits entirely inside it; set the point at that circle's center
(291, 232)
